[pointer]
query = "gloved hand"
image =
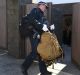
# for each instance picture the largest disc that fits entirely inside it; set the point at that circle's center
(45, 27)
(52, 27)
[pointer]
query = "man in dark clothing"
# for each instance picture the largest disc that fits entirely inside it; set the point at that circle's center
(42, 26)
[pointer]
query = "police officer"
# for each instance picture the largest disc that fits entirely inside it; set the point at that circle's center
(38, 14)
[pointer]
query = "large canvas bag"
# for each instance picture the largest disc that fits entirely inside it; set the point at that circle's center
(49, 48)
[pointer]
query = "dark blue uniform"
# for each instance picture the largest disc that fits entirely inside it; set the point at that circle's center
(39, 16)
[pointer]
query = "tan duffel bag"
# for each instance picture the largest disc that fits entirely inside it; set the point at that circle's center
(49, 49)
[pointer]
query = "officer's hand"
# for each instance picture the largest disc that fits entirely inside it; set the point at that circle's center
(52, 27)
(45, 27)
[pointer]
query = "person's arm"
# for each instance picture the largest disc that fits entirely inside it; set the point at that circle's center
(38, 20)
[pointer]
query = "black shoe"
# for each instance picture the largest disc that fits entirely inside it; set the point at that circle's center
(46, 73)
(24, 71)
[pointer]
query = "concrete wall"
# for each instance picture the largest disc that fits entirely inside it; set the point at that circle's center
(65, 8)
(76, 34)
(3, 27)
(13, 27)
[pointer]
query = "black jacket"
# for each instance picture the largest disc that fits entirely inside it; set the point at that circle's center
(39, 16)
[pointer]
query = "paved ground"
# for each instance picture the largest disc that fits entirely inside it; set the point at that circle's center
(11, 66)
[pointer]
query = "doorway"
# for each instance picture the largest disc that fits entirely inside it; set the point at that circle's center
(67, 30)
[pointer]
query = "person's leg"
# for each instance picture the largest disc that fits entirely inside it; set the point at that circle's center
(27, 62)
(29, 59)
(43, 68)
